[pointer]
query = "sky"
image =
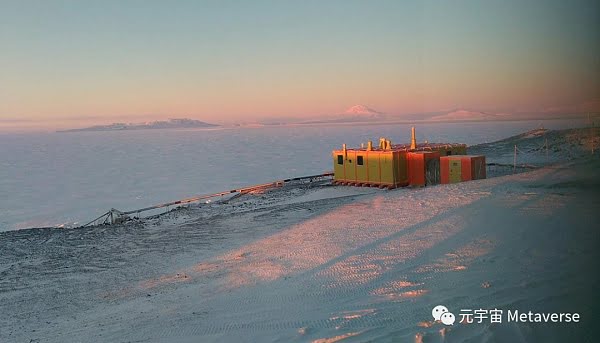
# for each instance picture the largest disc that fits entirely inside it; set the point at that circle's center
(72, 62)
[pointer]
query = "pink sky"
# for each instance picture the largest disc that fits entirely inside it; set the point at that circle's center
(69, 66)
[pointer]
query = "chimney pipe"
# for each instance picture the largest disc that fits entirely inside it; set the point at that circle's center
(413, 139)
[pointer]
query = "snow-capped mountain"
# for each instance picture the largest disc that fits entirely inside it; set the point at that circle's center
(362, 110)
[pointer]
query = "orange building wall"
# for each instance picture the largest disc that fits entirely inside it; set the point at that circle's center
(416, 166)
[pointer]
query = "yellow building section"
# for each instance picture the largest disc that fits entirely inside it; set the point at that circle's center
(387, 164)
(387, 167)
(338, 165)
(350, 164)
(370, 167)
(401, 167)
(455, 171)
(373, 167)
(362, 166)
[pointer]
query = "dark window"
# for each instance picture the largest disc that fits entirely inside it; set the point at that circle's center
(359, 160)
(340, 159)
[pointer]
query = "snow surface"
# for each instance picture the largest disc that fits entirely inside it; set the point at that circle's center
(320, 263)
(541, 146)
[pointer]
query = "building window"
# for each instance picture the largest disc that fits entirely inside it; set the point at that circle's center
(340, 159)
(359, 160)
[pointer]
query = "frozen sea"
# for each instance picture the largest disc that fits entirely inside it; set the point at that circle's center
(66, 179)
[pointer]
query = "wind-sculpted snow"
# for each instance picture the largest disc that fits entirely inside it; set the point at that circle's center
(327, 238)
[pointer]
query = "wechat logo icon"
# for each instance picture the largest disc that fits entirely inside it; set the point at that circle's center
(441, 313)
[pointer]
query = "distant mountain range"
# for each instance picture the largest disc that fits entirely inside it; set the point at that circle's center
(354, 114)
(183, 123)
(357, 114)
(469, 115)
(364, 114)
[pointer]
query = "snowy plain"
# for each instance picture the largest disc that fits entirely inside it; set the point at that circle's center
(67, 179)
(321, 263)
